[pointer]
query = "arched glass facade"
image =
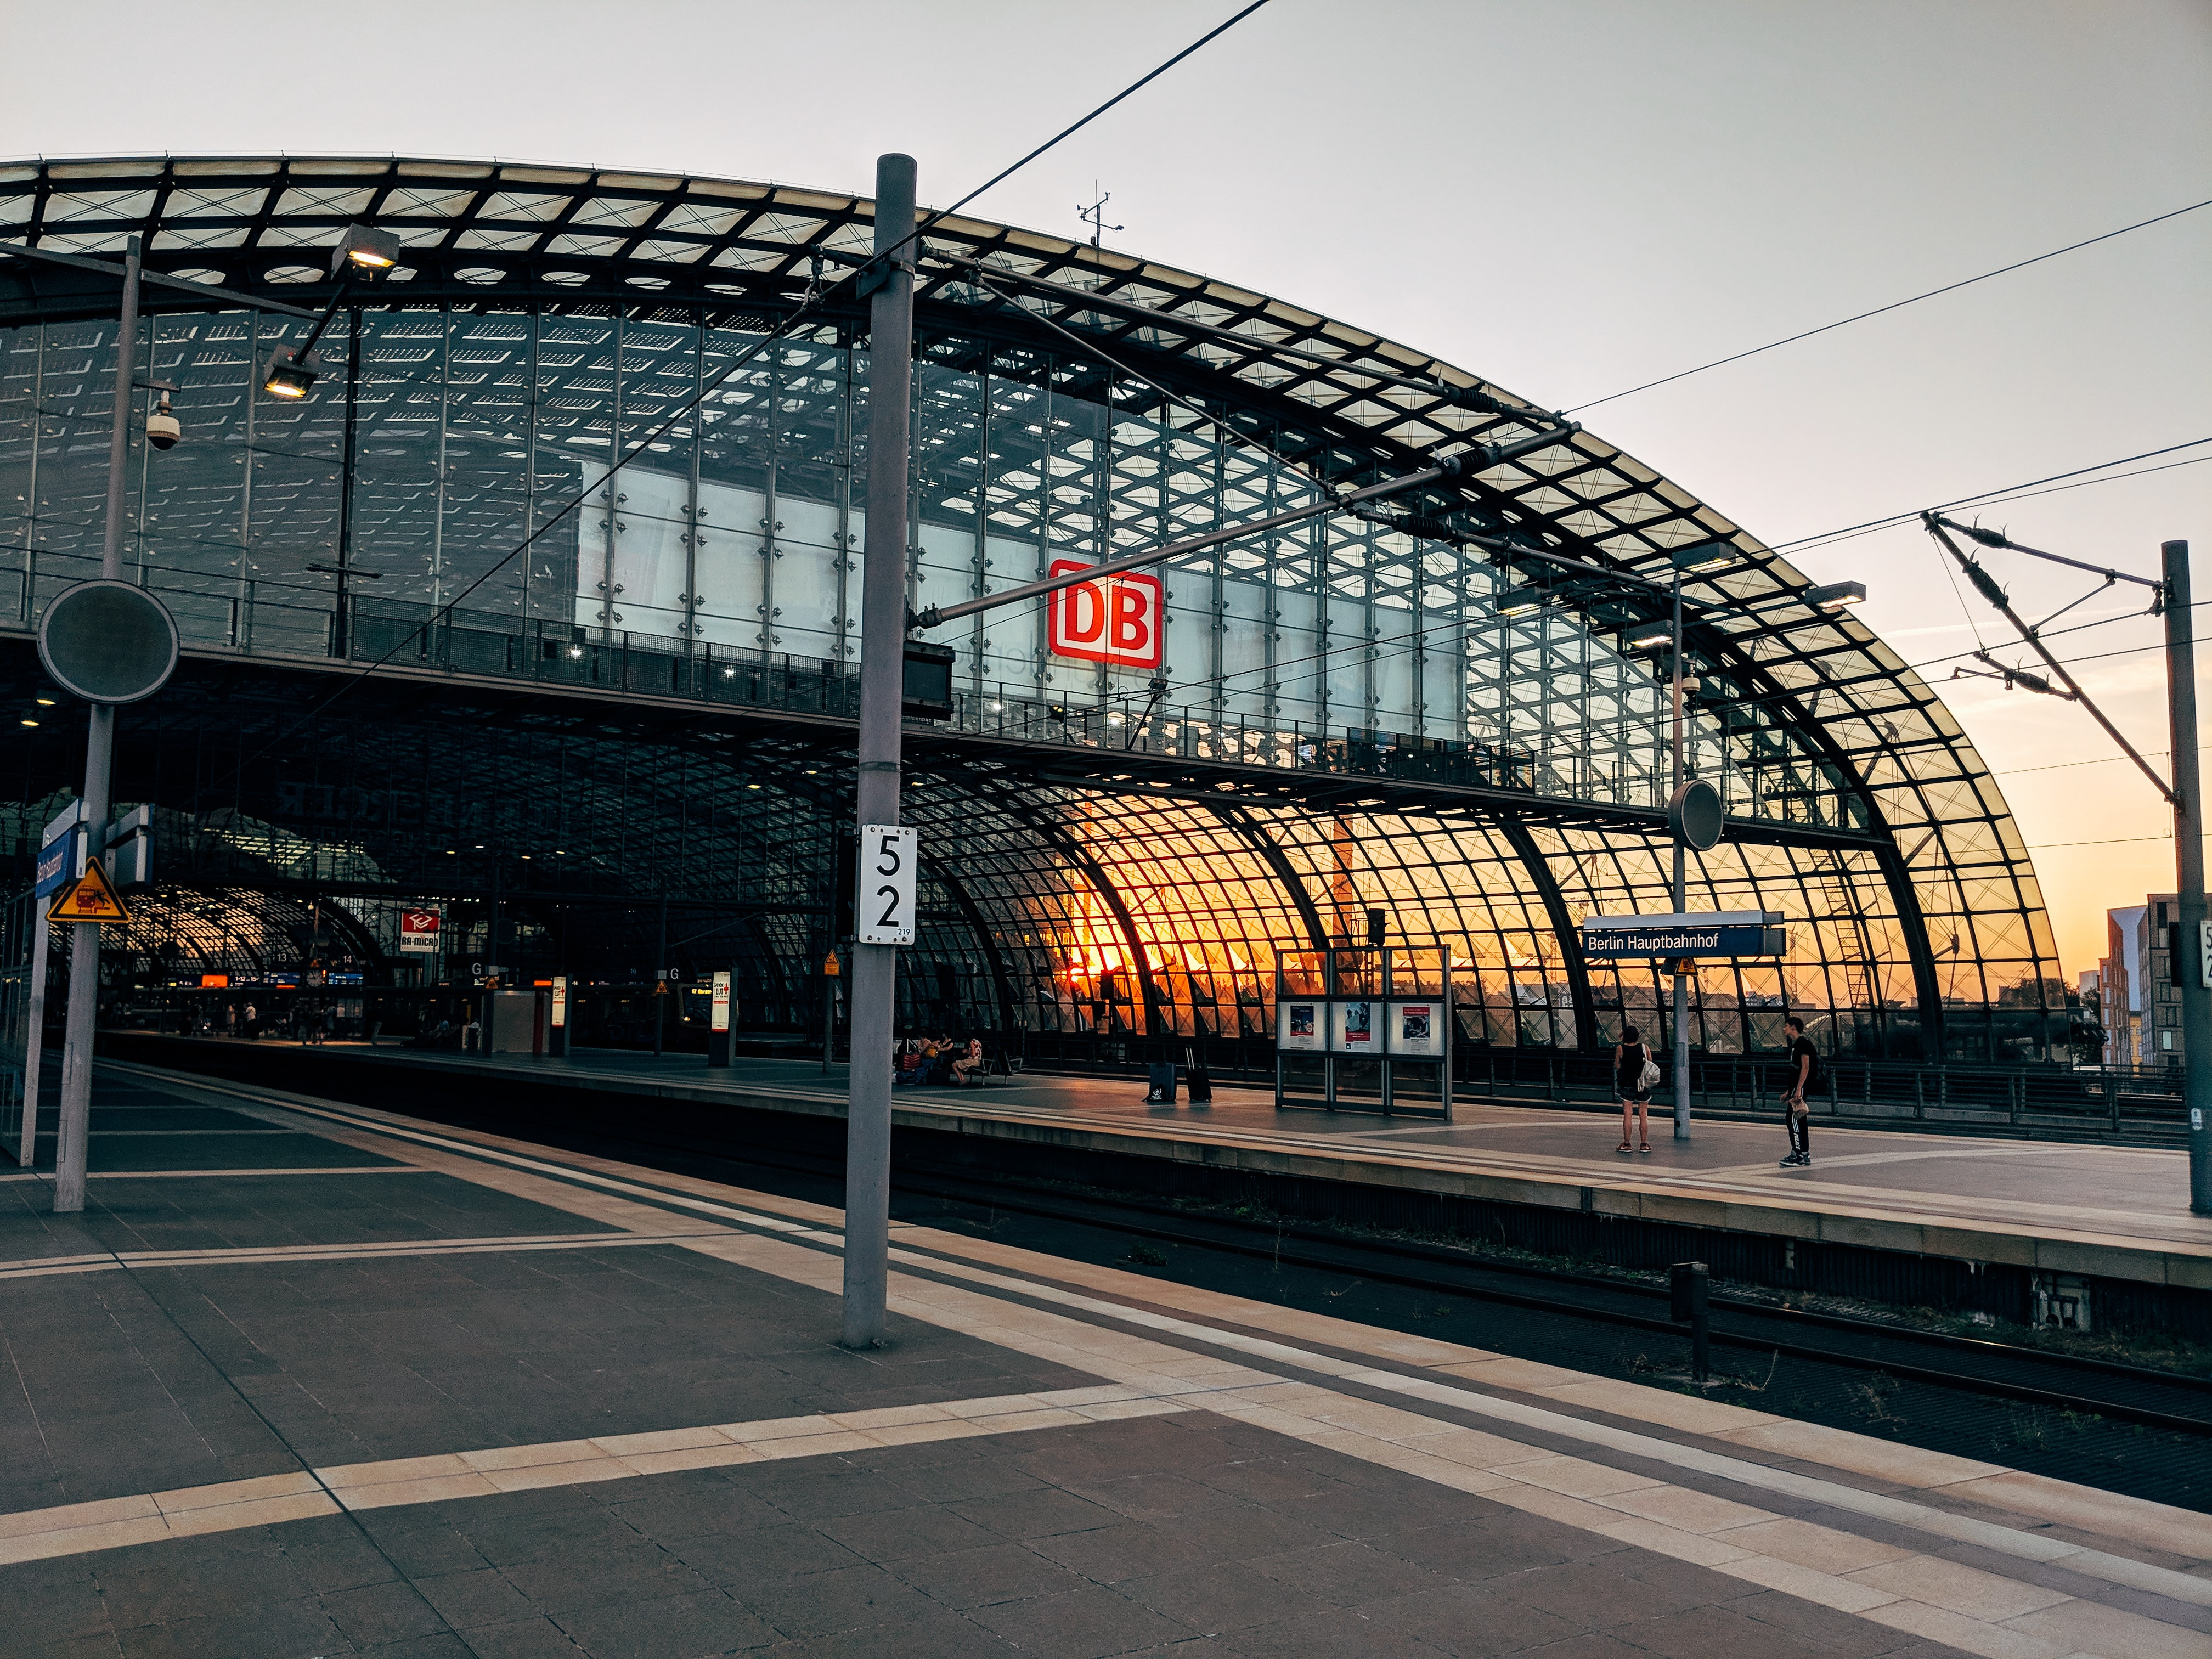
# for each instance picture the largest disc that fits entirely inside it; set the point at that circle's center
(546, 321)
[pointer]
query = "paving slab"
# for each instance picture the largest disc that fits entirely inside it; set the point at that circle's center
(457, 1443)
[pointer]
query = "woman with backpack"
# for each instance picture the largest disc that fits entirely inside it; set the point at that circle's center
(1634, 1073)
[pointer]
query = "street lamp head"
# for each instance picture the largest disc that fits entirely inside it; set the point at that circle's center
(365, 249)
(1520, 601)
(1705, 556)
(1837, 595)
(289, 375)
(1650, 636)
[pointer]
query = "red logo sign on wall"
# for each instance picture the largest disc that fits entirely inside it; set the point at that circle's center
(1121, 620)
(418, 931)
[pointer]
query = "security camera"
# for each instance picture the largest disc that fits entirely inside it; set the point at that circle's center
(162, 430)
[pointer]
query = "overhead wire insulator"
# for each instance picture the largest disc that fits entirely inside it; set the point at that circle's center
(1986, 584)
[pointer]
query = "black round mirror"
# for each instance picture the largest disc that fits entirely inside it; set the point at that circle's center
(1694, 814)
(108, 641)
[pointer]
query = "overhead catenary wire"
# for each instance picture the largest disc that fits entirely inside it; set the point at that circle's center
(1894, 305)
(1982, 498)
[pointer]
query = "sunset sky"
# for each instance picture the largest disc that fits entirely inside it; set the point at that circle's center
(1570, 199)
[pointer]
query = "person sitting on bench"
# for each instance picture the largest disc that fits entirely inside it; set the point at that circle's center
(968, 1065)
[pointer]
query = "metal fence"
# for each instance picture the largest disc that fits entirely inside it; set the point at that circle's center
(559, 652)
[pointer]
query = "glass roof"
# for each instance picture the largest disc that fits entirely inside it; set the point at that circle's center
(1831, 712)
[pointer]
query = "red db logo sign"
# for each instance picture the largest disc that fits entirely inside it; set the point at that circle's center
(1118, 619)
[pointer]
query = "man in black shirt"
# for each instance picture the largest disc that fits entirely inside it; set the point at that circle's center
(1796, 1103)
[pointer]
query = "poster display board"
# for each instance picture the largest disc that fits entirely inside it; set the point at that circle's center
(1365, 1030)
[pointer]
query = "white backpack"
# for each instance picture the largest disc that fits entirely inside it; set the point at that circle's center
(1649, 1077)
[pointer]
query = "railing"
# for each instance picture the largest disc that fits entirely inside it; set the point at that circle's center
(2137, 1101)
(2108, 1099)
(557, 652)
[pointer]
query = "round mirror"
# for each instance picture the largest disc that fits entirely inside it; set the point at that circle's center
(1694, 814)
(108, 641)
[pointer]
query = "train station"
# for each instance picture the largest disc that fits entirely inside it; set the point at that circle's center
(664, 1026)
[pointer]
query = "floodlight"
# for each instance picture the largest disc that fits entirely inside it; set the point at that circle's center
(1706, 555)
(370, 250)
(1836, 595)
(1651, 637)
(290, 374)
(1520, 601)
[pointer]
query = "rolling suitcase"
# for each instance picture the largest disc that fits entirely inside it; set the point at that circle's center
(1197, 1080)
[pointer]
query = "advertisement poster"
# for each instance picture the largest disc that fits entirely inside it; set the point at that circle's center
(1417, 1030)
(1355, 1031)
(1297, 1026)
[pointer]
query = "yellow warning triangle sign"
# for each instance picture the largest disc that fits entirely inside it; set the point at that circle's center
(89, 898)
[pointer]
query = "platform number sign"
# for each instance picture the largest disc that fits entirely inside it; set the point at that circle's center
(883, 895)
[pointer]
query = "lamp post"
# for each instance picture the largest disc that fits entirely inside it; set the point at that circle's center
(1704, 557)
(1681, 892)
(883, 670)
(292, 370)
(73, 1131)
(2188, 870)
(884, 624)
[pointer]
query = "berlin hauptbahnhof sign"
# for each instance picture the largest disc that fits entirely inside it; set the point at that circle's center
(1710, 933)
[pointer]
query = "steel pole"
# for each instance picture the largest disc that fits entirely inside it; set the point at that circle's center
(69, 1145)
(34, 1044)
(1681, 895)
(882, 672)
(2189, 868)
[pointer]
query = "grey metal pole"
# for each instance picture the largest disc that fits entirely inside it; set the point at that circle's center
(2189, 862)
(661, 991)
(34, 1043)
(70, 1146)
(882, 672)
(1681, 895)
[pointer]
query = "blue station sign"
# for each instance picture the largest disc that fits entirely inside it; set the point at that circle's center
(1712, 933)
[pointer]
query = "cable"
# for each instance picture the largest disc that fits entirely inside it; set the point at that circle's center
(1138, 85)
(1973, 626)
(2109, 841)
(1982, 496)
(1998, 499)
(1894, 305)
(2061, 766)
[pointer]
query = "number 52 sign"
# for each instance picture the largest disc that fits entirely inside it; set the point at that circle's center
(883, 897)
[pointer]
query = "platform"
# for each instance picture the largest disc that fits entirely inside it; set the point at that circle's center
(2056, 1207)
(312, 1379)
